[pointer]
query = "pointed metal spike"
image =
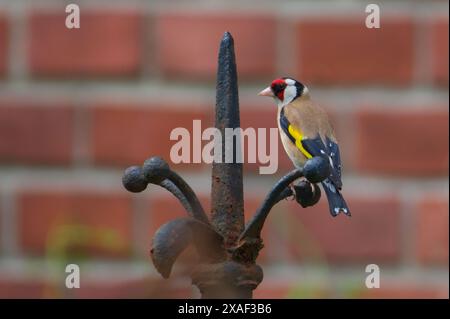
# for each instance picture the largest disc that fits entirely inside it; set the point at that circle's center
(227, 198)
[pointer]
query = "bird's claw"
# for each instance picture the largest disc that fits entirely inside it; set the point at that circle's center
(307, 194)
(294, 193)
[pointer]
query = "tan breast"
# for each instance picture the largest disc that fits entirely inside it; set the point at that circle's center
(297, 158)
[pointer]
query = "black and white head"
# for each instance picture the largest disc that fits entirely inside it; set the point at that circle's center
(285, 90)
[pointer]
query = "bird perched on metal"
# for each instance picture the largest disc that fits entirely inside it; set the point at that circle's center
(306, 132)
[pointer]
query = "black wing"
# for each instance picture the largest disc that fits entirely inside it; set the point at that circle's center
(329, 151)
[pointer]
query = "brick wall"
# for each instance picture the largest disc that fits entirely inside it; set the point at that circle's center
(79, 106)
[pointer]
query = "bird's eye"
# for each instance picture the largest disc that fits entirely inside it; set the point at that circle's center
(279, 87)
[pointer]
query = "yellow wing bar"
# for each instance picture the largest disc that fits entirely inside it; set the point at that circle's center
(297, 135)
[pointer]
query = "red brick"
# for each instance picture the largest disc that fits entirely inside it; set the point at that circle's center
(21, 288)
(1, 214)
(439, 49)
(137, 288)
(166, 208)
(160, 214)
(45, 219)
(406, 142)
(108, 43)
(272, 290)
(188, 44)
(404, 292)
(36, 133)
(254, 117)
(126, 135)
(294, 289)
(3, 45)
(432, 231)
(343, 51)
(92, 288)
(372, 234)
(268, 290)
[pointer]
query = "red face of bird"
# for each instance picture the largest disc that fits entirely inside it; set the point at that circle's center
(284, 90)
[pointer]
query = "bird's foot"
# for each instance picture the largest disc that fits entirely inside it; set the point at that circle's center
(294, 194)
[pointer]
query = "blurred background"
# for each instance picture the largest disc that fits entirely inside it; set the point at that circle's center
(78, 106)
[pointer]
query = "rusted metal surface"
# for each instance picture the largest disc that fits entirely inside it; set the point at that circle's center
(227, 250)
(229, 279)
(174, 237)
(227, 199)
(305, 193)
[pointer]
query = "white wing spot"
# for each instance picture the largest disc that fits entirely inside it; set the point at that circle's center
(331, 161)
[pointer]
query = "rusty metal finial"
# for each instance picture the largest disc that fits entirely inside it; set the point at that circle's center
(227, 195)
(227, 250)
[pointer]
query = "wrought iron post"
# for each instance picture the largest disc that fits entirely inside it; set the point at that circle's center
(227, 248)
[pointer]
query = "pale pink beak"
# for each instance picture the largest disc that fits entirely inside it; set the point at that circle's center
(266, 92)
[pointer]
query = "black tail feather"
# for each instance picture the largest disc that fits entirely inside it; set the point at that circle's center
(336, 202)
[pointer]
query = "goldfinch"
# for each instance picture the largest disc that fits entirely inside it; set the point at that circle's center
(306, 132)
